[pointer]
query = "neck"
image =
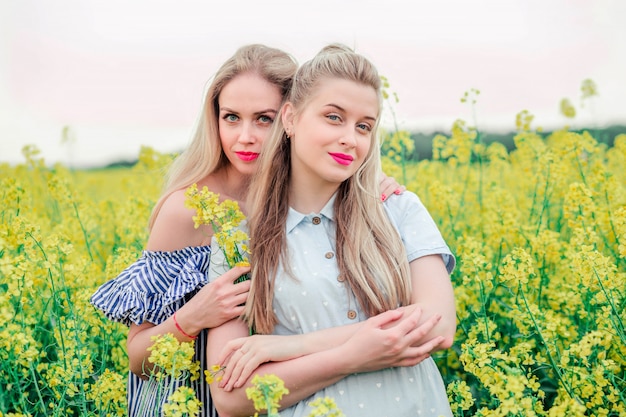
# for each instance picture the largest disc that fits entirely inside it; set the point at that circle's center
(230, 184)
(306, 197)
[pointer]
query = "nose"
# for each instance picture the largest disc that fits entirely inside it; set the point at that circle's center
(348, 138)
(248, 134)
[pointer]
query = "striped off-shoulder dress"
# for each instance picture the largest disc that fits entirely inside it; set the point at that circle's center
(151, 290)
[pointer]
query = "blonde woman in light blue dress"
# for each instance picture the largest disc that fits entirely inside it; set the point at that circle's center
(333, 267)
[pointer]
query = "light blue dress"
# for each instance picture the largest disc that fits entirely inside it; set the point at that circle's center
(318, 300)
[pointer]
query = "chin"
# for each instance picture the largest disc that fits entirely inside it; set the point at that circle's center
(247, 169)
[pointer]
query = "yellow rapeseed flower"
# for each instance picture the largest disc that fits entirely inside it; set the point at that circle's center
(182, 403)
(517, 268)
(325, 407)
(460, 396)
(172, 357)
(567, 108)
(224, 219)
(266, 392)
(588, 88)
(109, 393)
(523, 121)
(214, 374)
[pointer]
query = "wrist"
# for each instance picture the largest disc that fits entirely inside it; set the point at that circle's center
(185, 328)
(343, 360)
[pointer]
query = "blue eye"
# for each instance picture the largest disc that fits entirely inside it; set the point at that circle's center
(266, 119)
(230, 117)
(364, 127)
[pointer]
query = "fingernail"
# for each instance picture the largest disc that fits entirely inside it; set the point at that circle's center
(398, 191)
(383, 198)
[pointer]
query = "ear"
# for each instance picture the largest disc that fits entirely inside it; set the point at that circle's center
(288, 117)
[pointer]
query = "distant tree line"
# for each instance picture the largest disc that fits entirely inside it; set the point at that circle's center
(423, 142)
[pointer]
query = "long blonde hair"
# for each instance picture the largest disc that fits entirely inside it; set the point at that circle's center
(205, 155)
(370, 253)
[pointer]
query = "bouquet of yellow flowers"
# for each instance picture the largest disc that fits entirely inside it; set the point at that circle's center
(173, 368)
(226, 220)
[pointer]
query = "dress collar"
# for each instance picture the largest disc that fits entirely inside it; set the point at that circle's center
(294, 217)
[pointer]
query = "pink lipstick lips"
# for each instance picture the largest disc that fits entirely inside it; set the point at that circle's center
(247, 156)
(342, 158)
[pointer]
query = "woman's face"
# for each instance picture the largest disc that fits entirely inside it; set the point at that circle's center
(332, 133)
(248, 105)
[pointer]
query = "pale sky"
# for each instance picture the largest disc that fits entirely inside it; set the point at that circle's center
(122, 74)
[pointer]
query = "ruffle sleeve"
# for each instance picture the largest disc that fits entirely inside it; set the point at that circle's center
(153, 287)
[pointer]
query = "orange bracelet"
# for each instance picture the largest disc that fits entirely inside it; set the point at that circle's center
(180, 329)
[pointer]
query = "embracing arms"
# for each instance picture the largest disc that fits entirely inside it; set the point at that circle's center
(380, 342)
(310, 362)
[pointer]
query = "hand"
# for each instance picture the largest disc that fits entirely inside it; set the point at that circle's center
(217, 302)
(242, 356)
(391, 339)
(389, 186)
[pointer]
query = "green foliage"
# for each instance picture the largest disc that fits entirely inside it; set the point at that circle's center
(538, 230)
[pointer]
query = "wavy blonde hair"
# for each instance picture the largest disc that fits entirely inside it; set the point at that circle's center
(205, 155)
(370, 253)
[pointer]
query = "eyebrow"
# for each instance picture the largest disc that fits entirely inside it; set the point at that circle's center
(229, 110)
(344, 110)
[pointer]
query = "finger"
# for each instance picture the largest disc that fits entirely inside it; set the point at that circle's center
(243, 286)
(426, 348)
(386, 319)
(236, 365)
(408, 320)
(225, 375)
(237, 309)
(415, 360)
(390, 186)
(228, 349)
(230, 369)
(232, 274)
(241, 270)
(399, 190)
(415, 355)
(241, 298)
(387, 191)
(240, 290)
(225, 369)
(247, 370)
(417, 333)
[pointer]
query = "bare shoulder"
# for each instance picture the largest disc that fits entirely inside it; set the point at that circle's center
(173, 228)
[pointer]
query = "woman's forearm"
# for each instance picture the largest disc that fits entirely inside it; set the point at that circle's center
(140, 339)
(434, 294)
(303, 377)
